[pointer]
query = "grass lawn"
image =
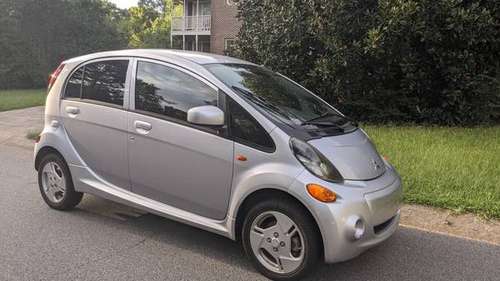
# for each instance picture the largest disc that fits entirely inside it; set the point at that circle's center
(16, 99)
(454, 168)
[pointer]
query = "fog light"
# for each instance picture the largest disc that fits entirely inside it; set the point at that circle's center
(355, 227)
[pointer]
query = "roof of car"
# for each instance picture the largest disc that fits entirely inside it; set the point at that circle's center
(194, 57)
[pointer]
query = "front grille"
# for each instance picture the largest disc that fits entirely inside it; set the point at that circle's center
(381, 227)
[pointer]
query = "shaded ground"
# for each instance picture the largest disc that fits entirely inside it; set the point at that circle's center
(16, 124)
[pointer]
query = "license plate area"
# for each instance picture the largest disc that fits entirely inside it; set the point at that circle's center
(384, 203)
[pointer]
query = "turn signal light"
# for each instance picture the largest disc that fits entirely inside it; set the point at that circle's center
(240, 157)
(321, 193)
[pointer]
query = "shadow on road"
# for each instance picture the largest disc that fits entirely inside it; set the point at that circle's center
(408, 255)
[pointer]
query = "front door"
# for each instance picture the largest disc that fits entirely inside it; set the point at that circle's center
(171, 161)
(95, 118)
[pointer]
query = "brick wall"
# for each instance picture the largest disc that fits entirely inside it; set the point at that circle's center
(225, 25)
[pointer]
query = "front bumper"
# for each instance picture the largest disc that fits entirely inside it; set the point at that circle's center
(376, 202)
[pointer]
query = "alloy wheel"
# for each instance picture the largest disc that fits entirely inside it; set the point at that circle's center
(277, 242)
(53, 182)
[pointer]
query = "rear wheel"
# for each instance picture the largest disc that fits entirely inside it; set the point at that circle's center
(56, 186)
(281, 239)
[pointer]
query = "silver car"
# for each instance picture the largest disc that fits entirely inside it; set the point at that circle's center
(223, 145)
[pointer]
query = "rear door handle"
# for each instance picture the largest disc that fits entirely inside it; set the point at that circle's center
(72, 110)
(142, 127)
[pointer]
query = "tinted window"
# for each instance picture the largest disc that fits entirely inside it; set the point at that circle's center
(280, 97)
(170, 92)
(245, 129)
(74, 86)
(105, 81)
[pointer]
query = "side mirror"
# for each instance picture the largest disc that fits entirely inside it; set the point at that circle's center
(206, 115)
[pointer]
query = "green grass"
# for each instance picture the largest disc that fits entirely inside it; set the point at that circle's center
(16, 99)
(33, 134)
(454, 168)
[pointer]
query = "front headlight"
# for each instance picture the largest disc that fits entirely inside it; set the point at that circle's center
(314, 161)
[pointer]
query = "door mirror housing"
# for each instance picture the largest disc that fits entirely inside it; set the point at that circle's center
(208, 115)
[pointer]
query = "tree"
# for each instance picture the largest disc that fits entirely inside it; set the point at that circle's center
(149, 23)
(39, 34)
(384, 60)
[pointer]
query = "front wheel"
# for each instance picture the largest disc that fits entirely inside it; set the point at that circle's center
(281, 239)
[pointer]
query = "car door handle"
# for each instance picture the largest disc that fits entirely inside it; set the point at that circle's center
(72, 110)
(142, 127)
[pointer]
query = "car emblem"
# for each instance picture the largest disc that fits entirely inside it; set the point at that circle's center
(375, 164)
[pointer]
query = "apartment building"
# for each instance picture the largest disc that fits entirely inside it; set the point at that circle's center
(206, 26)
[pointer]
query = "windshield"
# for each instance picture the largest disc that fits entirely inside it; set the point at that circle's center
(278, 96)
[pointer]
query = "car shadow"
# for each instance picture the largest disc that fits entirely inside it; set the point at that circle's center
(407, 255)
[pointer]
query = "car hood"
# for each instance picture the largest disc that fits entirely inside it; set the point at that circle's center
(353, 154)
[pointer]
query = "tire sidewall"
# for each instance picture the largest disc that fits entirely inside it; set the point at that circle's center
(69, 195)
(303, 222)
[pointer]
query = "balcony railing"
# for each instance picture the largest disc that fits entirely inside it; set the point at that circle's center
(194, 24)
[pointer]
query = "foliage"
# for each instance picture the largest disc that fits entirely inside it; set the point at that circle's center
(36, 35)
(388, 60)
(33, 134)
(454, 168)
(148, 24)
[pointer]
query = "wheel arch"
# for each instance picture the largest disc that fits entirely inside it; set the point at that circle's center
(267, 193)
(45, 151)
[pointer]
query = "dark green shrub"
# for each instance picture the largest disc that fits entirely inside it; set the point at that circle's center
(36, 35)
(388, 60)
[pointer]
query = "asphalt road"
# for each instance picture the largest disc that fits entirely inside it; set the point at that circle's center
(101, 240)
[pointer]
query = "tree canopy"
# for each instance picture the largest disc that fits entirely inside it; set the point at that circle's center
(36, 35)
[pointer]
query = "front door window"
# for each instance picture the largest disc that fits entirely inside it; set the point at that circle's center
(170, 92)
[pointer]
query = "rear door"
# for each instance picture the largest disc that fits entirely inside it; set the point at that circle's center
(172, 161)
(95, 117)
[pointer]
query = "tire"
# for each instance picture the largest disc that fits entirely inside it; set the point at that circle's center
(293, 226)
(55, 183)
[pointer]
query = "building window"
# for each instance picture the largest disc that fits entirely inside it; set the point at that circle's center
(229, 45)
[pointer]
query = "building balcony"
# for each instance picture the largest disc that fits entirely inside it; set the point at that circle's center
(191, 25)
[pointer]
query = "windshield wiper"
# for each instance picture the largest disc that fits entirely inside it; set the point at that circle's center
(324, 124)
(259, 101)
(314, 121)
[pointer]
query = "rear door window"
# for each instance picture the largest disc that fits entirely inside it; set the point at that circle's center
(104, 81)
